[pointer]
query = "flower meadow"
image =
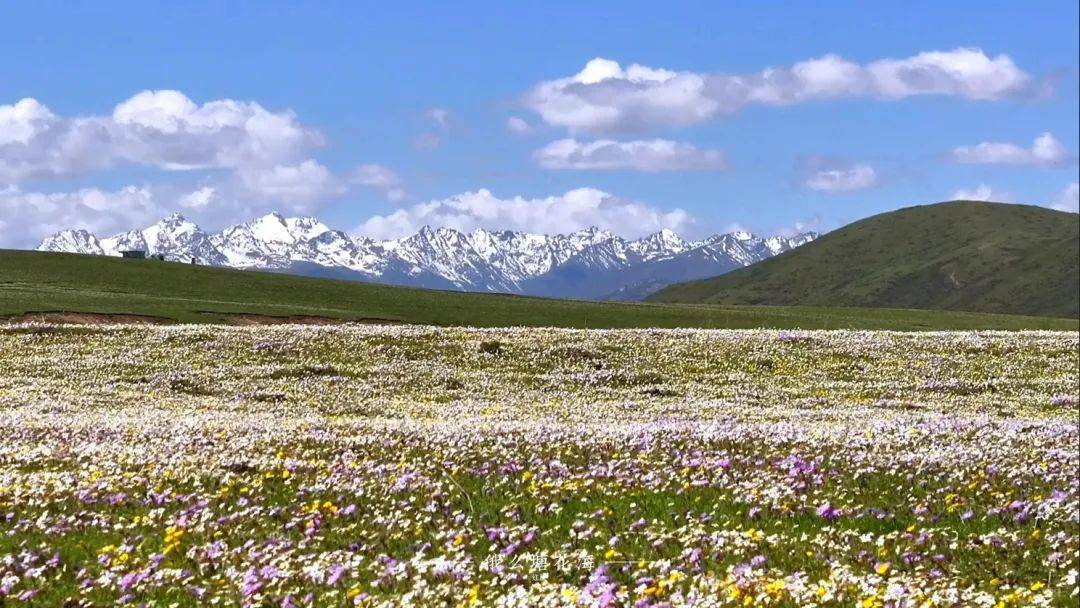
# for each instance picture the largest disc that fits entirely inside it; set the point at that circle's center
(395, 465)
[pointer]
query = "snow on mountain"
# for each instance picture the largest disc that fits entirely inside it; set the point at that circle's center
(266, 242)
(132, 240)
(658, 245)
(181, 240)
(72, 241)
(589, 263)
(174, 237)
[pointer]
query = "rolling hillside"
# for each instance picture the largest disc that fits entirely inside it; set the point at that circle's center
(36, 282)
(959, 255)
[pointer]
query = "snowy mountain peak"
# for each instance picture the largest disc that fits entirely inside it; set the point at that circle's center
(589, 236)
(592, 231)
(271, 227)
(306, 227)
(72, 241)
(588, 263)
(659, 244)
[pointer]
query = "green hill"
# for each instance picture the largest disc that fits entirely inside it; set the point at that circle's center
(35, 282)
(959, 255)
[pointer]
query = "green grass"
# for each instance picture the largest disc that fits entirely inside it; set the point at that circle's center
(50, 282)
(961, 255)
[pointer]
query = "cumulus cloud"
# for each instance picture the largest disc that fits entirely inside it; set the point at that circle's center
(302, 186)
(263, 153)
(199, 199)
(844, 178)
(574, 210)
(164, 129)
(604, 97)
(21, 120)
(982, 192)
(28, 217)
(1068, 199)
(649, 156)
(298, 187)
(1045, 150)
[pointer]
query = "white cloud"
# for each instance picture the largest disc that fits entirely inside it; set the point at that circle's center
(982, 192)
(163, 129)
(20, 121)
(648, 156)
(575, 210)
(298, 187)
(28, 217)
(377, 176)
(1068, 199)
(199, 199)
(604, 97)
(1045, 150)
(303, 188)
(842, 179)
(518, 125)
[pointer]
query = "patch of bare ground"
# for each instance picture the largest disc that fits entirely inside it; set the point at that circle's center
(57, 317)
(243, 318)
(85, 318)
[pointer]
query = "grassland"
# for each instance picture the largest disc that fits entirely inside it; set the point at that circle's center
(42, 282)
(388, 466)
(961, 255)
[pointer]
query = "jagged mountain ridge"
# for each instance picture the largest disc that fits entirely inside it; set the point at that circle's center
(589, 263)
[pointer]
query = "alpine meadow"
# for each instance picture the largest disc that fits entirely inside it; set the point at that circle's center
(560, 305)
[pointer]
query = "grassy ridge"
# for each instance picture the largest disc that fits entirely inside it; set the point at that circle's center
(961, 255)
(37, 281)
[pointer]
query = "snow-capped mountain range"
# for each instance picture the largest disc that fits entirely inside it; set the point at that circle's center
(590, 263)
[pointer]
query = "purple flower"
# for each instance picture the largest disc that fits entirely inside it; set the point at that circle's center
(827, 511)
(336, 572)
(128, 580)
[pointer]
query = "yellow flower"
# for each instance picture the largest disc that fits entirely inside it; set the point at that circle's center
(881, 567)
(474, 595)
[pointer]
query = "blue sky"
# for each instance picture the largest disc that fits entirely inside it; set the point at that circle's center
(399, 111)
